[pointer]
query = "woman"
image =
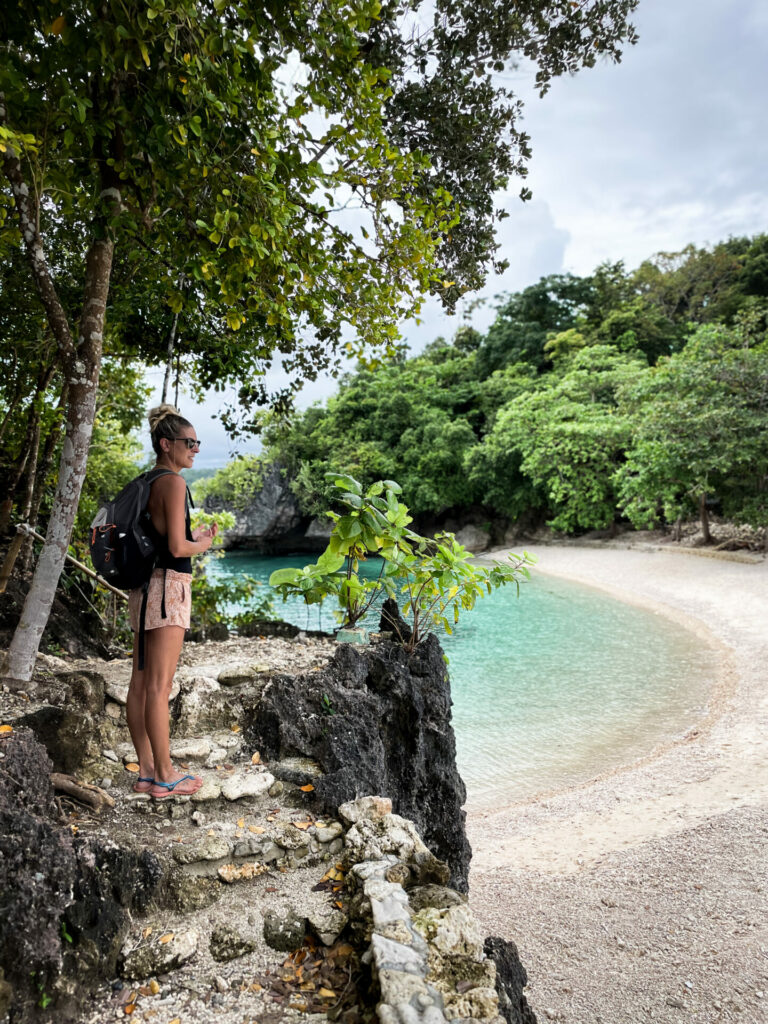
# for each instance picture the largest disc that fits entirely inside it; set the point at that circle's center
(168, 607)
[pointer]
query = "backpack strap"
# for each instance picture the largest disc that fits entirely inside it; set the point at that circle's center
(142, 625)
(163, 614)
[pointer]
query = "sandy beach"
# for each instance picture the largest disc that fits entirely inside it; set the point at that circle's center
(641, 895)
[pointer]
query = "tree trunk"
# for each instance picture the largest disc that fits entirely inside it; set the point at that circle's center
(704, 516)
(80, 362)
(43, 469)
(28, 449)
(17, 542)
(82, 376)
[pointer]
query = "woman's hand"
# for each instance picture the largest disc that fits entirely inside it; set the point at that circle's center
(205, 533)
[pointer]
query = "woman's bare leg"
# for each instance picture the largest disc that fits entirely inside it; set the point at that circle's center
(163, 647)
(134, 713)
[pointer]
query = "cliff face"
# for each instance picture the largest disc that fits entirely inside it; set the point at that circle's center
(376, 720)
(272, 521)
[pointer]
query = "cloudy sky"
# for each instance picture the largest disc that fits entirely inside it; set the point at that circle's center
(666, 148)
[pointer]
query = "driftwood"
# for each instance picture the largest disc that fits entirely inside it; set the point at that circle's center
(83, 792)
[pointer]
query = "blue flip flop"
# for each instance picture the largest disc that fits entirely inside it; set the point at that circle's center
(142, 778)
(170, 786)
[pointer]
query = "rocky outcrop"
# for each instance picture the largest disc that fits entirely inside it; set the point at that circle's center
(64, 902)
(37, 871)
(375, 720)
(426, 947)
(271, 521)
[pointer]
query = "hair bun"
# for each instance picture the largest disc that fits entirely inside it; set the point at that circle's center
(158, 414)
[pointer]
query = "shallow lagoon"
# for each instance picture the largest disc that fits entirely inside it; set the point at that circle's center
(550, 688)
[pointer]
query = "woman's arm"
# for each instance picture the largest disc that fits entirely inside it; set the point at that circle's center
(172, 495)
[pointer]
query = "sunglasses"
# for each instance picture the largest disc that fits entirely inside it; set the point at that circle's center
(190, 442)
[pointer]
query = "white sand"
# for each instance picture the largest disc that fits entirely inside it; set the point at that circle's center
(690, 815)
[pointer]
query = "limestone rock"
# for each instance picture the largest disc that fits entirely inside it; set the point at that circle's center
(260, 847)
(155, 956)
(453, 931)
(188, 893)
(194, 748)
(329, 832)
(210, 790)
(284, 930)
(372, 807)
(211, 848)
(227, 944)
(251, 784)
(238, 675)
(408, 696)
(328, 923)
(372, 840)
(438, 896)
(271, 518)
(290, 837)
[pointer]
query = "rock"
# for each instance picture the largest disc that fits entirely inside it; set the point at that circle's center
(284, 930)
(438, 896)
(68, 735)
(468, 986)
(222, 985)
(106, 782)
(228, 944)
(210, 790)
(113, 710)
(240, 675)
(211, 848)
(511, 979)
(328, 923)
(373, 840)
(154, 956)
(473, 538)
(453, 931)
(198, 708)
(372, 807)
(86, 690)
(237, 872)
(289, 837)
(196, 749)
(188, 893)
(110, 756)
(408, 696)
(252, 784)
(260, 847)
(329, 832)
(276, 788)
(271, 520)
(37, 865)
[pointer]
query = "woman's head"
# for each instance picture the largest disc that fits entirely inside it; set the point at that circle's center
(167, 428)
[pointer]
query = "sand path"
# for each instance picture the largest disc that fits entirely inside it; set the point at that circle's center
(675, 843)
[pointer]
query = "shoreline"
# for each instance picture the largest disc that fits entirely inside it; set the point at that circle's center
(594, 882)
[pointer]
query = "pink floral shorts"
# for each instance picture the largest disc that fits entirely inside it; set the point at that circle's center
(178, 601)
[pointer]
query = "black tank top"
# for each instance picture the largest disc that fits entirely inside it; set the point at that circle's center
(165, 559)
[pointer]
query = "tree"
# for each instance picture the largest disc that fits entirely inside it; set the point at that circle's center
(700, 430)
(565, 440)
(162, 136)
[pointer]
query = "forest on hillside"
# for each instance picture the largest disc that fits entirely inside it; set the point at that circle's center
(625, 396)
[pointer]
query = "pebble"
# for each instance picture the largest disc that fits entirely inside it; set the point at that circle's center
(110, 755)
(106, 782)
(221, 983)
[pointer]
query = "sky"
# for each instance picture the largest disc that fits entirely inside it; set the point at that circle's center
(668, 147)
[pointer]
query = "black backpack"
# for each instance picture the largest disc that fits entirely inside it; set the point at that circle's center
(122, 542)
(123, 545)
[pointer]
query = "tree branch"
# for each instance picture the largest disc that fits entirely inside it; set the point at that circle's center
(27, 213)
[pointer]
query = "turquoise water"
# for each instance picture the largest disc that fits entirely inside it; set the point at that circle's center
(550, 688)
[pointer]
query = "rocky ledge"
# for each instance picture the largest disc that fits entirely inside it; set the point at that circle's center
(178, 906)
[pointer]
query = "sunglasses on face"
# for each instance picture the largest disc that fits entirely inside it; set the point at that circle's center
(190, 442)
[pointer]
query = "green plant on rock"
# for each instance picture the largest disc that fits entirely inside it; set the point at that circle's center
(438, 581)
(372, 523)
(434, 576)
